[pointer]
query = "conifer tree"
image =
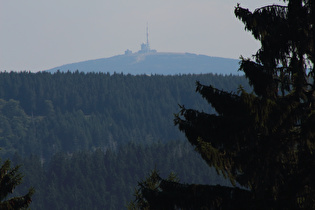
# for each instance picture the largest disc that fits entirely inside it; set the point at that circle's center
(9, 179)
(263, 140)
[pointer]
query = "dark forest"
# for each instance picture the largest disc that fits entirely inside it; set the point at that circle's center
(84, 140)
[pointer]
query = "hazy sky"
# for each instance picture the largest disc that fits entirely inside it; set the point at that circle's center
(38, 35)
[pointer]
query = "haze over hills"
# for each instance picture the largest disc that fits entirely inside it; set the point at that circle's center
(148, 61)
(153, 62)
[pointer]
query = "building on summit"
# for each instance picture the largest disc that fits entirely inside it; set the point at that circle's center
(128, 52)
(145, 47)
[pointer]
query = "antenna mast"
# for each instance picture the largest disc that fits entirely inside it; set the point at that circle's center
(148, 46)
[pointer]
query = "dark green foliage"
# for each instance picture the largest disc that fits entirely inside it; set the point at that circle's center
(9, 179)
(14, 127)
(157, 193)
(264, 140)
(47, 113)
(151, 184)
(97, 92)
(55, 116)
(106, 179)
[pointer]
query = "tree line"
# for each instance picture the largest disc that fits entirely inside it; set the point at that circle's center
(85, 140)
(107, 179)
(43, 113)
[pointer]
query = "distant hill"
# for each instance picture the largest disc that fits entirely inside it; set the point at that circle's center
(156, 63)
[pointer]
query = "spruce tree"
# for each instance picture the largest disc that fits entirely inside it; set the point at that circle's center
(263, 140)
(9, 179)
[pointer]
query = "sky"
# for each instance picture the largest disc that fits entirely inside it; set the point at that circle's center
(39, 35)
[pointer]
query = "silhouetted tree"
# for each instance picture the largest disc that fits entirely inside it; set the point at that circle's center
(264, 140)
(9, 179)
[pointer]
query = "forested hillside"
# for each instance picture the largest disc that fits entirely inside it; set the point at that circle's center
(86, 139)
(47, 113)
(107, 180)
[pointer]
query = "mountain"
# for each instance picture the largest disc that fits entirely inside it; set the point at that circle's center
(156, 63)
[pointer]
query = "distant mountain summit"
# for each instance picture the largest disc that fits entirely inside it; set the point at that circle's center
(148, 61)
(155, 63)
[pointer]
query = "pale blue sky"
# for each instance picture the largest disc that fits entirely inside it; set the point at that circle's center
(37, 35)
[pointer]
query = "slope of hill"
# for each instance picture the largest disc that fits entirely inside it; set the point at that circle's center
(156, 63)
(86, 139)
(46, 113)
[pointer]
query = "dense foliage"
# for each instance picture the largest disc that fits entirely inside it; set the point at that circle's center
(85, 140)
(10, 178)
(264, 140)
(106, 179)
(47, 113)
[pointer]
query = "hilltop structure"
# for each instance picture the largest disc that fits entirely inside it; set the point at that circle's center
(145, 47)
(147, 61)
